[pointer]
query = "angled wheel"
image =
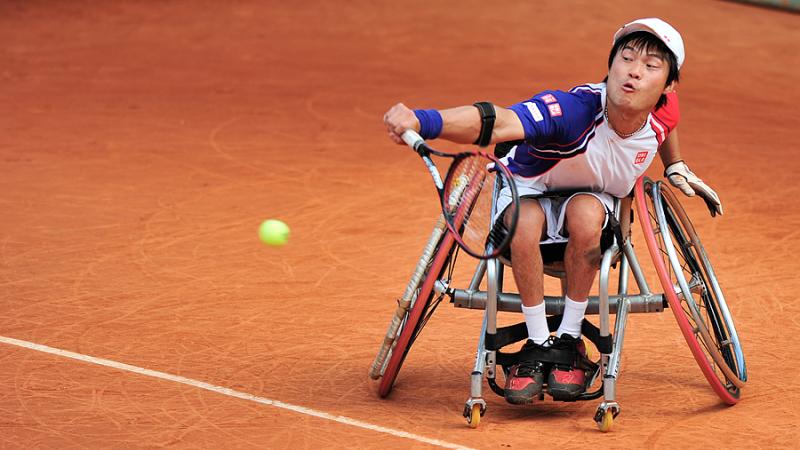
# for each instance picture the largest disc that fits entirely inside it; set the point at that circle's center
(424, 302)
(691, 288)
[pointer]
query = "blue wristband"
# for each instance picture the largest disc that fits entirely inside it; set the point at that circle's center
(430, 123)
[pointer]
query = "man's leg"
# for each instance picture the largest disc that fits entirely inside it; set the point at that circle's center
(585, 216)
(528, 268)
(526, 379)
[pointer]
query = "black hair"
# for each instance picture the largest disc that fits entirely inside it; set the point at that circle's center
(643, 40)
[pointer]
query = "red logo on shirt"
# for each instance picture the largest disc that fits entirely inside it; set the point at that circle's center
(640, 157)
(555, 109)
(549, 98)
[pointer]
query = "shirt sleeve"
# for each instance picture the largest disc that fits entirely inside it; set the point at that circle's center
(557, 120)
(669, 113)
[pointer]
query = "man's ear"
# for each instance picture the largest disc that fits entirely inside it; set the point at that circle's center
(670, 87)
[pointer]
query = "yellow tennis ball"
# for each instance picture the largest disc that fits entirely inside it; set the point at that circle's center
(273, 232)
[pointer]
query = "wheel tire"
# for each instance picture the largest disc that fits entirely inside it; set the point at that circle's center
(412, 325)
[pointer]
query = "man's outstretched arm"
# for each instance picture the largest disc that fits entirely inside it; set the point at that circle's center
(461, 125)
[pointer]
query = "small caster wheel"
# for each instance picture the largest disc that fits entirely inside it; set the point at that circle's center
(604, 417)
(607, 422)
(474, 418)
(473, 411)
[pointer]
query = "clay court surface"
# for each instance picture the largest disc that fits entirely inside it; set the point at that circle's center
(143, 143)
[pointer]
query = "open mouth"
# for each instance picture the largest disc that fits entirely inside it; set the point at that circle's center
(628, 87)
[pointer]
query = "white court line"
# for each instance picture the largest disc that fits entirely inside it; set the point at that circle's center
(226, 391)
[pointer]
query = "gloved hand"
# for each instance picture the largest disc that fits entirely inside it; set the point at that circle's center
(684, 179)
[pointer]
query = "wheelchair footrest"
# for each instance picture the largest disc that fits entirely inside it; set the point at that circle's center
(552, 357)
(518, 332)
(549, 355)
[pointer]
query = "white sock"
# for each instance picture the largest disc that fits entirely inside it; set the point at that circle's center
(536, 321)
(573, 317)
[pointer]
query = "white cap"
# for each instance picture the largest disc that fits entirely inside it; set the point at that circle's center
(668, 35)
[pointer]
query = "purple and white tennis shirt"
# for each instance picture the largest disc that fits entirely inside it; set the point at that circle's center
(569, 145)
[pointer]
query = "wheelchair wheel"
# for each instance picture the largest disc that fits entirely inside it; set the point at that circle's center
(691, 289)
(425, 302)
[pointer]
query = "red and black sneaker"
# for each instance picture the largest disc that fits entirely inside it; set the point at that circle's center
(568, 382)
(525, 380)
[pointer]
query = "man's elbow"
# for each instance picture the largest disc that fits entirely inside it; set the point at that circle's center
(507, 127)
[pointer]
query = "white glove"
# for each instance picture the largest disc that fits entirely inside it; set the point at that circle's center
(684, 179)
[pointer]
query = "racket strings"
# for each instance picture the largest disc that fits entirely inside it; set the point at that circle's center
(469, 193)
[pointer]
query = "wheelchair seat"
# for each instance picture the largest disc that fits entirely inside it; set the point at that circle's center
(553, 253)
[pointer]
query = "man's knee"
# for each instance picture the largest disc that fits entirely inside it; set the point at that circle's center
(585, 217)
(525, 240)
(530, 229)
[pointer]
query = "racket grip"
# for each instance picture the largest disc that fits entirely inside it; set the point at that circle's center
(412, 139)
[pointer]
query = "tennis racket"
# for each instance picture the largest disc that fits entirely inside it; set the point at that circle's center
(467, 193)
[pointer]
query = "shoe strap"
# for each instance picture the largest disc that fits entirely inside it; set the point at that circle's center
(550, 355)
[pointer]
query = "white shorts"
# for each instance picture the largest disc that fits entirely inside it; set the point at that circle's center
(555, 209)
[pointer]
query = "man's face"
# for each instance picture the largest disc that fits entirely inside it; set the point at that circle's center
(636, 79)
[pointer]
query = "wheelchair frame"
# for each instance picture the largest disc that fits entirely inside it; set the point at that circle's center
(690, 286)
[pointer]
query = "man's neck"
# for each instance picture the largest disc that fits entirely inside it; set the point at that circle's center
(625, 123)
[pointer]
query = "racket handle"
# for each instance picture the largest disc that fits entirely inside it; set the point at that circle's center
(413, 139)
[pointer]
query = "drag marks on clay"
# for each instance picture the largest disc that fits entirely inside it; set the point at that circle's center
(224, 391)
(213, 141)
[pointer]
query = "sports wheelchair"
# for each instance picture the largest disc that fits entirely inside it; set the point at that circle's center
(690, 290)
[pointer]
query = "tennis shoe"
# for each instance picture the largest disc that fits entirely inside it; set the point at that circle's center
(567, 383)
(525, 380)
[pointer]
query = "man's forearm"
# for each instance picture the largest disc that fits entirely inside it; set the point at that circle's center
(463, 125)
(670, 150)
